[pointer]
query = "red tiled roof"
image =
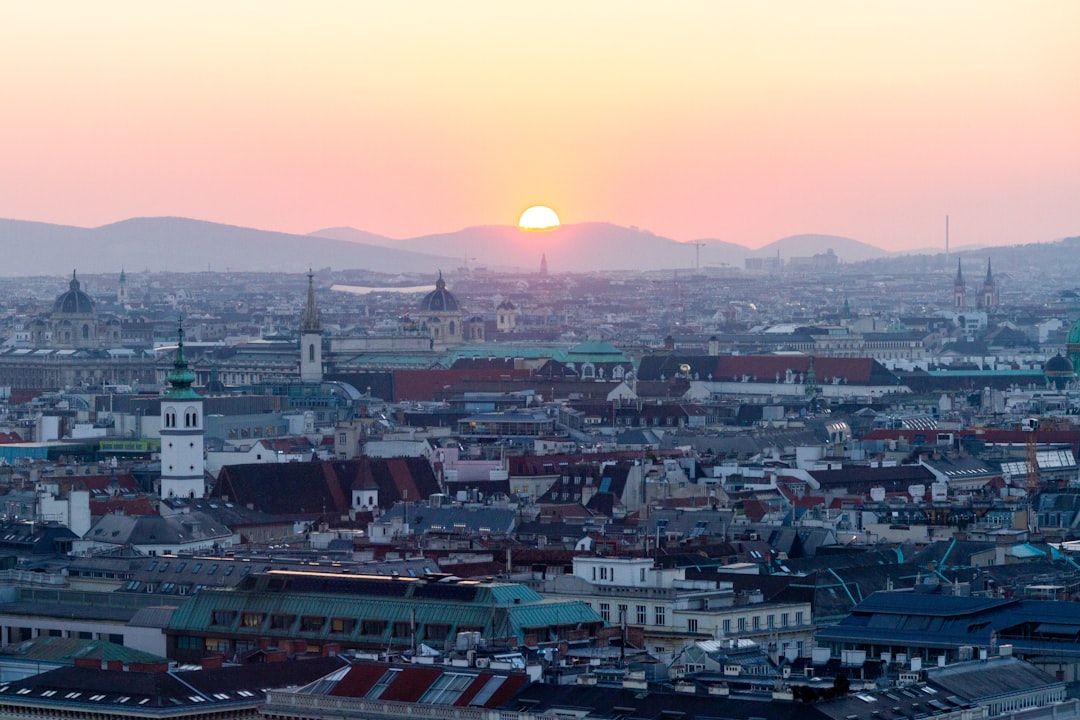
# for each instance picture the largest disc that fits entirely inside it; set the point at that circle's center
(421, 385)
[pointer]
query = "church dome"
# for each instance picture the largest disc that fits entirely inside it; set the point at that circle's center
(440, 299)
(1059, 371)
(74, 301)
(1058, 366)
(1074, 334)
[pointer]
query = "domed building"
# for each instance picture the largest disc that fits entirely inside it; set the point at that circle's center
(440, 316)
(1059, 371)
(74, 323)
(1072, 345)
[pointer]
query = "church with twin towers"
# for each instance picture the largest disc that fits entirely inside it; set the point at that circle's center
(988, 298)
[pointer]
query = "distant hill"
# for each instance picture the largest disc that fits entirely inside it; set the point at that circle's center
(580, 247)
(846, 249)
(185, 245)
(349, 234)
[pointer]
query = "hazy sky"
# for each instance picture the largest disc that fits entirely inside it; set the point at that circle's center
(745, 121)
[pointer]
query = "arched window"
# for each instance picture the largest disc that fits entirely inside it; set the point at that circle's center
(170, 419)
(451, 328)
(85, 332)
(311, 352)
(191, 418)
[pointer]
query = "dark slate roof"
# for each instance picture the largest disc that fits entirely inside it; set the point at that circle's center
(157, 692)
(601, 702)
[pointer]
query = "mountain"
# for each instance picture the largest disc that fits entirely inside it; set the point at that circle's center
(184, 245)
(846, 249)
(580, 247)
(349, 234)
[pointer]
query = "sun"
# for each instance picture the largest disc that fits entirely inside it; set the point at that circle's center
(538, 217)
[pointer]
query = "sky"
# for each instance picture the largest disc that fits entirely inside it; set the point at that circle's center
(741, 120)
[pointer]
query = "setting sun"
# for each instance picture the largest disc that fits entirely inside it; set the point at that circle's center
(538, 217)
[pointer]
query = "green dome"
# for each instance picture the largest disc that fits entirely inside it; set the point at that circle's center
(1074, 334)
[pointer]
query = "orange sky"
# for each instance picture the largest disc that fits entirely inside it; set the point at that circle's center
(745, 121)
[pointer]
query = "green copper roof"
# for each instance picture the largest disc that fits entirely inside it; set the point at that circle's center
(181, 377)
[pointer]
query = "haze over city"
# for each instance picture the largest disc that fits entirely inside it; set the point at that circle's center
(744, 122)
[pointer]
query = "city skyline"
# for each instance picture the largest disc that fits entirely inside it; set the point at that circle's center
(735, 121)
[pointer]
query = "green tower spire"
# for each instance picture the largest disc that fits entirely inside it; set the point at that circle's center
(181, 378)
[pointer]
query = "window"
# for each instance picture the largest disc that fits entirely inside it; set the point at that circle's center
(170, 419)
(382, 683)
(659, 615)
(756, 622)
(342, 626)
(783, 619)
(727, 626)
(798, 617)
(742, 624)
(603, 573)
(436, 631)
(279, 621)
(222, 617)
(642, 615)
(624, 615)
(191, 418)
(605, 611)
(402, 630)
(448, 688)
(642, 578)
(312, 623)
(691, 625)
(311, 352)
(213, 569)
(372, 627)
(770, 621)
(252, 619)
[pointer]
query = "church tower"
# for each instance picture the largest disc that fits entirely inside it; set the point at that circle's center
(990, 298)
(122, 290)
(959, 290)
(182, 465)
(311, 366)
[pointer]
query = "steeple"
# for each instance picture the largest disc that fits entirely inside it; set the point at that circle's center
(181, 378)
(990, 298)
(543, 264)
(311, 364)
(312, 321)
(959, 290)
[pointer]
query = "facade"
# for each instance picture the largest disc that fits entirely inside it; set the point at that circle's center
(670, 610)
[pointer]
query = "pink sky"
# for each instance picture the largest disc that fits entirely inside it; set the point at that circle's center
(745, 121)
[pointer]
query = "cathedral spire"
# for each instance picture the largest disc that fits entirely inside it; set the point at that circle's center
(989, 272)
(312, 321)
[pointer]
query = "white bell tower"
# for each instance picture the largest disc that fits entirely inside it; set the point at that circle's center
(182, 464)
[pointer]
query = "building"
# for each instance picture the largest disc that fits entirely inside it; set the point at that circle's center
(311, 365)
(182, 463)
(312, 610)
(670, 609)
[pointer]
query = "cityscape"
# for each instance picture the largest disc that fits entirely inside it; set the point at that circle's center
(486, 361)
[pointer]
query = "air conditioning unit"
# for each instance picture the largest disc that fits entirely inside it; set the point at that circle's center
(483, 662)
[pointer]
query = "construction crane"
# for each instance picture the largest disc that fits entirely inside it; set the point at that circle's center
(1030, 426)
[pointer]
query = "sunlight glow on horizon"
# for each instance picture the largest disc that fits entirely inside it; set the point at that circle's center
(740, 121)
